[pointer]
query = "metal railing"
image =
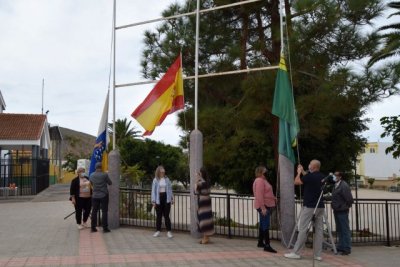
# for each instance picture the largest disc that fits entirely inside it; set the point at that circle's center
(378, 220)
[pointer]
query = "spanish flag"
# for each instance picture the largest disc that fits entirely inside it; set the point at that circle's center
(165, 98)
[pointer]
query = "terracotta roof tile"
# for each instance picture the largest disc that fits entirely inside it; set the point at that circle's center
(21, 126)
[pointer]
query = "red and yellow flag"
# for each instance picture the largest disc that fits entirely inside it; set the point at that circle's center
(165, 98)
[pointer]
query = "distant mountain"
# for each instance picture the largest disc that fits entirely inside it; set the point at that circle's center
(77, 143)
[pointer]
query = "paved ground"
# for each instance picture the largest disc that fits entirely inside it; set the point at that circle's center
(33, 232)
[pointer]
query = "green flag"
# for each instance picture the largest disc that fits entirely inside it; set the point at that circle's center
(283, 107)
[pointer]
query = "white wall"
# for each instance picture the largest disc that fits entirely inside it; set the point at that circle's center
(380, 165)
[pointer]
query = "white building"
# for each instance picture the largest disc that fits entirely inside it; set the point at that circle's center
(375, 163)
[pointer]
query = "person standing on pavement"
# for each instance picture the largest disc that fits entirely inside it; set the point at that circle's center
(312, 182)
(80, 196)
(99, 181)
(264, 202)
(341, 203)
(162, 199)
(204, 211)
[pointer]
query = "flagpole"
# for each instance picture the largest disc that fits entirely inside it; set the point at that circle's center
(196, 65)
(281, 24)
(113, 37)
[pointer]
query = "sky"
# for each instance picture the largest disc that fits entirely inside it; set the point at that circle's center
(68, 44)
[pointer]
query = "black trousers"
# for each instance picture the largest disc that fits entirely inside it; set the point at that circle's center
(98, 203)
(83, 205)
(163, 210)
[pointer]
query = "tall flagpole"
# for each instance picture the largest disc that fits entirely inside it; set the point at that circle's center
(196, 65)
(281, 23)
(42, 93)
(113, 37)
(285, 172)
(196, 139)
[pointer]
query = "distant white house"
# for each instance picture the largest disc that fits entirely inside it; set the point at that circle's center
(375, 163)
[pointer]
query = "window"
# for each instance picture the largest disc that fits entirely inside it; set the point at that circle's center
(371, 150)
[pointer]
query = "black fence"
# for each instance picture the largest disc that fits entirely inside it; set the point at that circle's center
(371, 220)
(23, 176)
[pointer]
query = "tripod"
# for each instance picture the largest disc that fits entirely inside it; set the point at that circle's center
(312, 223)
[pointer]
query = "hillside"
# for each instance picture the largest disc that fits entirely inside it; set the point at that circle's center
(76, 143)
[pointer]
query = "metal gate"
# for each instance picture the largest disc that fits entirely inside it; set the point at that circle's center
(27, 176)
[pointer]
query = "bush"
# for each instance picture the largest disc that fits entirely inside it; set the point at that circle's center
(371, 181)
(224, 221)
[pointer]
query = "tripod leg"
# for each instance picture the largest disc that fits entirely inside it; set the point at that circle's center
(295, 229)
(332, 244)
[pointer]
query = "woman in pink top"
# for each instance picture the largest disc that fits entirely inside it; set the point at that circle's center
(264, 200)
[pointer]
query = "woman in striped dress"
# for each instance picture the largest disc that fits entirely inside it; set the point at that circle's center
(204, 212)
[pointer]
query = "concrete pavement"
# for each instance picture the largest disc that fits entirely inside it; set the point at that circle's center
(33, 232)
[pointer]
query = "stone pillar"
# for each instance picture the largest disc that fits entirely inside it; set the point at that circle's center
(196, 162)
(287, 201)
(114, 160)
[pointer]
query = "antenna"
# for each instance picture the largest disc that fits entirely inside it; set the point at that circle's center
(42, 93)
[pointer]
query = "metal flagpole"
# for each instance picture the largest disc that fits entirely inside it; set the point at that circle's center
(42, 93)
(186, 14)
(231, 72)
(281, 22)
(113, 37)
(196, 139)
(196, 65)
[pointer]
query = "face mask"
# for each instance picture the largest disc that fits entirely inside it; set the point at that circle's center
(334, 178)
(82, 174)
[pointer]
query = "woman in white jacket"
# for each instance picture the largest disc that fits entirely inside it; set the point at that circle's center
(162, 199)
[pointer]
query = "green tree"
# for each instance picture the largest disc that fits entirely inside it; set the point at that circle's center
(148, 154)
(71, 162)
(123, 131)
(391, 126)
(131, 175)
(390, 38)
(326, 38)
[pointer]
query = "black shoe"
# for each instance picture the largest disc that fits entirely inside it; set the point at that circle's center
(260, 244)
(344, 253)
(106, 230)
(93, 230)
(268, 248)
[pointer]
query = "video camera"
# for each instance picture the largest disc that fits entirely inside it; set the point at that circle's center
(327, 185)
(329, 179)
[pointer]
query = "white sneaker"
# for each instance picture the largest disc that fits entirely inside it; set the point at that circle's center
(156, 234)
(169, 234)
(85, 225)
(317, 258)
(292, 255)
(80, 227)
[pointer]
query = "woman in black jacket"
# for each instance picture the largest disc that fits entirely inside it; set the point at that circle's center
(81, 193)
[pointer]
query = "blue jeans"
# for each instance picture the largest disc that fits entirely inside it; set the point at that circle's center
(343, 230)
(264, 220)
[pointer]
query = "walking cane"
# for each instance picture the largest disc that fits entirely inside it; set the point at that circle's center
(69, 215)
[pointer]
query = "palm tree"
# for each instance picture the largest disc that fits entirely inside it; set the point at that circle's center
(123, 130)
(390, 39)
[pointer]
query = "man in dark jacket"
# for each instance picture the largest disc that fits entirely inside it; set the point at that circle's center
(341, 203)
(99, 181)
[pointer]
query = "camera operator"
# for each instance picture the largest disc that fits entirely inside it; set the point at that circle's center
(341, 203)
(313, 182)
